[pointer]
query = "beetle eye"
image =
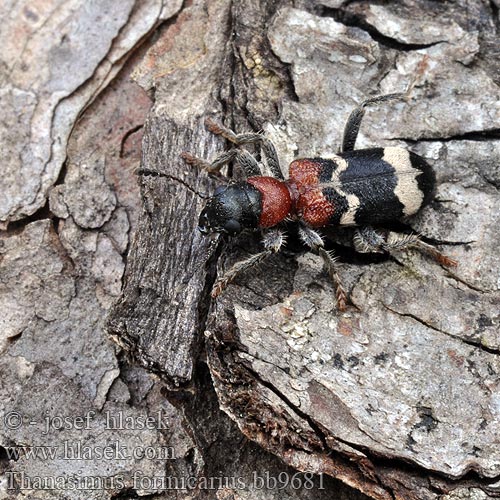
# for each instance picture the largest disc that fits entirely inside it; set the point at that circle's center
(232, 227)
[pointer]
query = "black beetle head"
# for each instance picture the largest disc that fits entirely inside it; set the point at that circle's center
(231, 209)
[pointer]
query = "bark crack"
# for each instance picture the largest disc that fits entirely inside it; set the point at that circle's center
(470, 342)
(125, 137)
(357, 21)
(468, 285)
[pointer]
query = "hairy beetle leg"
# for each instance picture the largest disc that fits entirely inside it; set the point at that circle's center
(267, 146)
(353, 124)
(213, 166)
(314, 241)
(367, 239)
(273, 240)
(247, 162)
(436, 254)
(236, 269)
(340, 293)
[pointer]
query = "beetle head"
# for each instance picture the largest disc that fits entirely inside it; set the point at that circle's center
(231, 209)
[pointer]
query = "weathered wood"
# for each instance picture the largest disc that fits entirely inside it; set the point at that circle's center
(414, 370)
(163, 309)
(397, 398)
(353, 395)
(161, 313)
(50, 79)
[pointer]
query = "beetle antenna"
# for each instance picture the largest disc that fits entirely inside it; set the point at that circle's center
(154, 173)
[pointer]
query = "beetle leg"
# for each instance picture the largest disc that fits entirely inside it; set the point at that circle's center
(353, 123)
(251, 138)
(236, 269)
(215, 165)
(436, 254)
(273, 241)
(247, 162)
(367, 239)
(314, 241)
(272, 158)
(396, 241)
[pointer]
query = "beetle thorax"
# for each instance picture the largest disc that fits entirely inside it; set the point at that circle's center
(276, 200)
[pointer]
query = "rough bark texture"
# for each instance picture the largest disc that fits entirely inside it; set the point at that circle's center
(399, 397)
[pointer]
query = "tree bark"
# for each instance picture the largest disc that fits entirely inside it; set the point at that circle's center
(268, 391)
(374, 396)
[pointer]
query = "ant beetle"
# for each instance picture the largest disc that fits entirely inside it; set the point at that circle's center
(352, 188)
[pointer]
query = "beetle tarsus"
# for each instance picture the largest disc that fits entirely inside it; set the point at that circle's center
(340, 294)
(236, 269)
(439, 257)
(314, 241)
(272, 241)
(367, 240)
(353, 124)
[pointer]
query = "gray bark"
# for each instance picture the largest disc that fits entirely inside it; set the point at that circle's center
(396, 398)
(388, 381)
